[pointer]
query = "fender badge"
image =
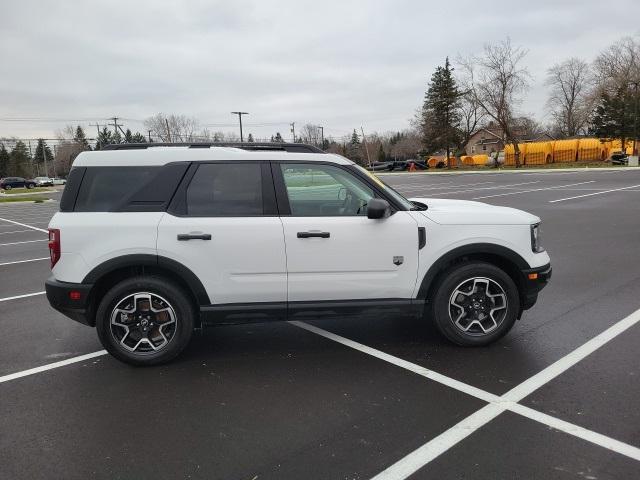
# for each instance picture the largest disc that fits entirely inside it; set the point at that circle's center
(398, 260)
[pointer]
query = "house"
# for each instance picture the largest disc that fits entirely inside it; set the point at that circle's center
(491, 139)
(485, 140)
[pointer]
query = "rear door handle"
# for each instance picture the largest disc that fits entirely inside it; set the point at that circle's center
(194, 236)
(314, 234)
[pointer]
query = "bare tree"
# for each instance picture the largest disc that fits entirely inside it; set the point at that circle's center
(497, 81)
(618, 65)
(310, 134)
(471, 117)
(528, 128)
(407, 146)
(173, 128)
(570, 99)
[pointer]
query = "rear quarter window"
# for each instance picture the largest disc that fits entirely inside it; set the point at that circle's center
(105, 189)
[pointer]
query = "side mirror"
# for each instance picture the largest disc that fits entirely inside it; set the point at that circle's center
(378, 208)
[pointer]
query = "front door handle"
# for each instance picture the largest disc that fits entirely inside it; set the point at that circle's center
(194, 236)
(314, 234)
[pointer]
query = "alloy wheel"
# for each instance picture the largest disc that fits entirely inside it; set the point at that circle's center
(478, 306)
(143, 323)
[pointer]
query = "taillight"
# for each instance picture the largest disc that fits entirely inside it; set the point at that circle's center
(54, 245)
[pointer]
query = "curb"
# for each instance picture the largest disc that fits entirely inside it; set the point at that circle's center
(520, 170)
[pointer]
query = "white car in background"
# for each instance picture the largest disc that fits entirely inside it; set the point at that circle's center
(43, 181)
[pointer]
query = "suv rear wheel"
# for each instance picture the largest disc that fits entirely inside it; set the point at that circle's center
(145, 320)
(476, 303)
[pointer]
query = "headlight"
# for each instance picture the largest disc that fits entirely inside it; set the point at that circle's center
(536, 246)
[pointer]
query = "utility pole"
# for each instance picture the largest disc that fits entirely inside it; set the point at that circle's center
(293, 130)
(321, 136)
(33, 171)
(364, 140)
(240, 119)
(115, 124)
(149, 136)
(166, 122)
(97, 125)
(44, 156)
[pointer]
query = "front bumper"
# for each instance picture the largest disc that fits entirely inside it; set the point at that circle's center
(60, 297)
(534, 280)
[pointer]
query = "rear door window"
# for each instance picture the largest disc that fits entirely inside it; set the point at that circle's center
(226, 189)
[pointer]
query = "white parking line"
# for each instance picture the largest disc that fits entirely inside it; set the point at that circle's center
(426, 453)
(440, 444)
(438, 187)
(25, 225)
(51, 366)
(533, 190)
(497, 187)
(26, 241)
(591, 194)
(16, 297)
(24, 261)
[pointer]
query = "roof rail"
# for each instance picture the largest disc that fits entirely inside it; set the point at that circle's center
(262, 146)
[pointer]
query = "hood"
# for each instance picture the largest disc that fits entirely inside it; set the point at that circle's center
(465, 212)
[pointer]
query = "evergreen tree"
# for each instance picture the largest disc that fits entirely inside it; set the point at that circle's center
(278, 138)
(440, 111)
(42, 153)
(613, 116)
(81, 139)
(19, 161)
(4, 161)
(128, 136)
(354, 148)
(250, 138)
(104, 138)
(382, 156)
(138, 138)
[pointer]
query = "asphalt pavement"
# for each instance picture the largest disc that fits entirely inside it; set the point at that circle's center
(354, 397)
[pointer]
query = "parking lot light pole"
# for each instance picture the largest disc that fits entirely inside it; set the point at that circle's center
(44, 156)
(240, 119)
(635, 118)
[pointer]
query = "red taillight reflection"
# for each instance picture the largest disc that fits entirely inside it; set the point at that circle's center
(75, 295)
(54, 245)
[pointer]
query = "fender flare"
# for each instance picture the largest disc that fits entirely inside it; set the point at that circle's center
(146, 260)
(493, 249)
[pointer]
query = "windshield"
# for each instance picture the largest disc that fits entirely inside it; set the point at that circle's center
(397, 196)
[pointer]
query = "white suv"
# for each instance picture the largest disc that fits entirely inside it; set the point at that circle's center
(153, 241)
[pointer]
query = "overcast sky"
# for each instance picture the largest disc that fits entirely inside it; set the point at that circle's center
(339, 64)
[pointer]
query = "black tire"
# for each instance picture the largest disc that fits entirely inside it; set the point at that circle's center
(463, 275)
(30, 186)
(8, 187)
(162, 289)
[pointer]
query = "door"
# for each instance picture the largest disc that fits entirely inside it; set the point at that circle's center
(334, 252)
(225, 229)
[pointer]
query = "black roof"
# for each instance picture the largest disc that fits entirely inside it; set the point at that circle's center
(263, 146)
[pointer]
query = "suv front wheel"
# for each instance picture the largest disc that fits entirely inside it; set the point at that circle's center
(475, 304)
(145, 320)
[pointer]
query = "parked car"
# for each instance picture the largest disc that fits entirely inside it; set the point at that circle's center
(259, 232)
(619, 158)
(59, 181)
(43, 181)
(16, 182)
(378, 166)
